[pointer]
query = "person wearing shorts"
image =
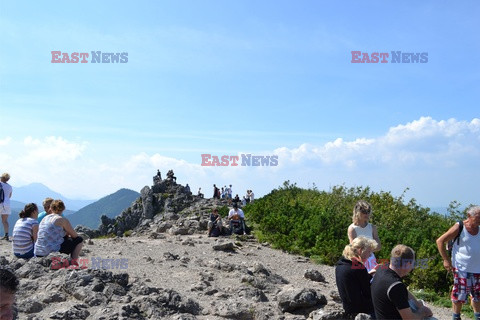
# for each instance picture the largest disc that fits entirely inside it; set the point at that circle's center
(5, 210)
(465, 262)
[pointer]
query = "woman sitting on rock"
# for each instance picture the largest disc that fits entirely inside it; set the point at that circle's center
(56, 234)
(25, 232)
(353, 280)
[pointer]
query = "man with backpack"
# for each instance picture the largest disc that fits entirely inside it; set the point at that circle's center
(237, 220)
(5, 195)
(465, 261)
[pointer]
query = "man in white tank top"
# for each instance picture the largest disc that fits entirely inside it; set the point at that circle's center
(465, 262)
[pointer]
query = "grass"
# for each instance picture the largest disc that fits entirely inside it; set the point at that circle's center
(107, 236)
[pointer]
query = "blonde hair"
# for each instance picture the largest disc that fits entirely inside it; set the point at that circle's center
(361, 206)
(5, 177)
(360, 243)
(57, 206)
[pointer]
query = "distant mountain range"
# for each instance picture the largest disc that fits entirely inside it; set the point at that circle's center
(36, 192)
(90, 210)
(111, 206)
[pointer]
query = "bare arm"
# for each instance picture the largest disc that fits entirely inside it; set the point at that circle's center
(447, 236)
(376, 238)
(35, 232)
(351, 234)
(65, 224)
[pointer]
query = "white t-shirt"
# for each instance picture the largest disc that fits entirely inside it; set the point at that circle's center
(232, 212)
(7, 190)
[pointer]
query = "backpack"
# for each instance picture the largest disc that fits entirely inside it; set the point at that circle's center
(2, 193)
(237, 227)
(457, 238)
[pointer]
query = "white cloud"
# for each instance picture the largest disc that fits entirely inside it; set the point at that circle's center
(438, 160)
(54, 149)
(5, 141)
(419, 142)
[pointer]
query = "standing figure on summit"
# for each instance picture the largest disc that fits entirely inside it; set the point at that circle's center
(216, 192)
(5, 210)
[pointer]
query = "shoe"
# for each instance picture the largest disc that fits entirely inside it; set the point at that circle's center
(5, 238)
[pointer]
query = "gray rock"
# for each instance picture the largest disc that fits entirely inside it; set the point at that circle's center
(314, 275)
(291, 299)
(30, 306)
(228, 246)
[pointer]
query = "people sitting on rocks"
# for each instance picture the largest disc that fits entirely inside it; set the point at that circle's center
(353, 279)
(215, 225)
(237, 220)
(55, 233)
(200, 194)
(46, 209)
(8, 288)
(25, 232)
(171, 176)
(187, 189)
(236, 199)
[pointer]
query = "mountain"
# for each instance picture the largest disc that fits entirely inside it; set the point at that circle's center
(36, 192)
(111, 206)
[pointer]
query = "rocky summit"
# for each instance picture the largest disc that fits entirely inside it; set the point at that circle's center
(155, 261)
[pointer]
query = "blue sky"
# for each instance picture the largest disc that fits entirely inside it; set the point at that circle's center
(233, 77)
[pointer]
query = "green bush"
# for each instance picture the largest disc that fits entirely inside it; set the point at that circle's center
(314, 223)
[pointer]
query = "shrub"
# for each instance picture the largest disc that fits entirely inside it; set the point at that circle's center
(314, 223)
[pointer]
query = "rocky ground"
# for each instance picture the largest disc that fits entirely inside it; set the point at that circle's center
(159, 264)
(178, 277)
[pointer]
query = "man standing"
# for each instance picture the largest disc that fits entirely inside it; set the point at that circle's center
(465, 261)
(390, 296)
(5, 202)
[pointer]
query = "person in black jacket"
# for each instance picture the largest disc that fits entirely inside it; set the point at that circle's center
(353, 280)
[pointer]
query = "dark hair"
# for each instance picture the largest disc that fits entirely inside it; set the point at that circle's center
(28, 210)
(8, 280)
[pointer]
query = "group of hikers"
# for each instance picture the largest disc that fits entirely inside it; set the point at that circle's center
(363, 285)
(40, 233)
(378, 290)
(236, 222)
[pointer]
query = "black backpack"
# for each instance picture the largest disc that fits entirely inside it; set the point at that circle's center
(457, 238)
(2, 194)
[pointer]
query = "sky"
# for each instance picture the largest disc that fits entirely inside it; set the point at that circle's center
(230, 78)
